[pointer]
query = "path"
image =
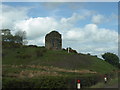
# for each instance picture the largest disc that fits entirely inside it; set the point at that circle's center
(113, 86)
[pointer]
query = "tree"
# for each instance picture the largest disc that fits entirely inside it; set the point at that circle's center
(20, 37)
(5, 32)
(7, 36)
(119, 65)
(111, 58)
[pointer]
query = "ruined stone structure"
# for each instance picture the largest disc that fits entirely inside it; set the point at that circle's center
(53, 41)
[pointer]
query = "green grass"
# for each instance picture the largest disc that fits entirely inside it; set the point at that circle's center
(59, 58)
(102, 84)
(23, 66)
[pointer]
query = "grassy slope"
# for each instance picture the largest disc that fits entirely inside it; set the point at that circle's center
(55, 58)
(111, 83)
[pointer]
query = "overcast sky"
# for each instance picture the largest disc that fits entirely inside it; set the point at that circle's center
(87, 27)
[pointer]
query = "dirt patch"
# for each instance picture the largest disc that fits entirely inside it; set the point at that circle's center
(37, 70)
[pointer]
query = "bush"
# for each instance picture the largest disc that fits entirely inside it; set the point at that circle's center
(95, 56)
(53, 81)
(111, 58)
(41, 82)
(11, 45)
(64, 49)
(87, 81)
(88, 53)
(49, 82)
(33, 46)
(71, 50)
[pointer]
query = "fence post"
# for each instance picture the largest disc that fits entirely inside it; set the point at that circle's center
(78, 84)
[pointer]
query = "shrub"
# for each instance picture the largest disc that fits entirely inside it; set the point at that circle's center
(48, 82)
(88, 53)
(64, 49)
(42, 46)
(33, 46)
(53, 81)
(41, 82)
(11, 45)
(95, 55)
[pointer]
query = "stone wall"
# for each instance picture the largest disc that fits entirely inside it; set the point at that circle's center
(53, 41)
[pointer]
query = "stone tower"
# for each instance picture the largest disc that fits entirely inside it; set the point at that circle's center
(53, 41)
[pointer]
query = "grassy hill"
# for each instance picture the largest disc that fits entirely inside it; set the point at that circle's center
(37, 67)
(58, 58)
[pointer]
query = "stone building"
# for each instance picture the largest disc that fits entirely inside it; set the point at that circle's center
(53, 41)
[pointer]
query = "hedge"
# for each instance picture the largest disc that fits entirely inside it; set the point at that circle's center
(52, 81)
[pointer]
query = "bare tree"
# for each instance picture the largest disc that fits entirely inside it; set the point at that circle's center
(20, 37)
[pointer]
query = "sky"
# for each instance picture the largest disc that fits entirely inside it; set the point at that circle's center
(60, 0)
(88, 27)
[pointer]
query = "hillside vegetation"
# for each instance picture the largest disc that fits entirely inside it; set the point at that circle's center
(36, 67)
(56, 58)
